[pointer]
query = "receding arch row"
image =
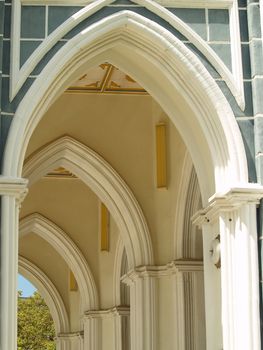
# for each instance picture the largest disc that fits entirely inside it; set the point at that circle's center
(60, 241)
(96, 173)
(48, 291)
(139, 47)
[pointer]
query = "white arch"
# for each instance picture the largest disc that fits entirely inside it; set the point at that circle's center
(48, 291)
(19, 76)
(187, 204)
(120, 264)
(94, 171)
(180, 206)
(117, 272)
(140, 47)
(192, 205)
(60, 241)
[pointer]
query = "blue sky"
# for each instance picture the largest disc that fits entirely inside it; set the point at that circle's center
(26, 287)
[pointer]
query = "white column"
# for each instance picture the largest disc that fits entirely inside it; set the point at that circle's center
(142, 308)
(92, 331)
(235, 215)
(12, 193)
(122, 328)
(106, 329)
(212, 276)
(189, 332)
(69, 341)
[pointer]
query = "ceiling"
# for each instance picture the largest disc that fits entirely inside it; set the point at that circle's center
(106, 79)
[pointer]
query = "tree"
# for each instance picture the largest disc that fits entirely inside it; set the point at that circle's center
(35, 325)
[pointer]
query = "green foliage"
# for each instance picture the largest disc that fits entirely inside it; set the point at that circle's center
(35, 325)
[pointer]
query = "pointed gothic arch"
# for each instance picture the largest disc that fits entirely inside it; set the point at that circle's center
(95, 172)
(60, 241)
(48, 291)
(206, 123)
(139, 47)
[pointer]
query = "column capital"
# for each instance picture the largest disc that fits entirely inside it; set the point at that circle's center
(12, 186)
(228, 200)
(69, 336)
(115, 311)
(173, 267)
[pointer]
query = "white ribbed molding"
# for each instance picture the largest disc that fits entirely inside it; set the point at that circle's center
(233, 214)
(12, 191)
(142, 309)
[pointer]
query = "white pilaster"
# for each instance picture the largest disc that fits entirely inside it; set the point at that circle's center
(234, 212)
(188, 304)
(96, 336)
(12, 193)
(122, 328)
(92, 331)
(142, 308)
(69, 341)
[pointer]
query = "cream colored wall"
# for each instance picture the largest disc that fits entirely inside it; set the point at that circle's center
(121, 129)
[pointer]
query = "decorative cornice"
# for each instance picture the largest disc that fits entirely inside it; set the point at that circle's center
(10, 186)
(112, 312)
(171, 268)
(230, 200)
(69, 336)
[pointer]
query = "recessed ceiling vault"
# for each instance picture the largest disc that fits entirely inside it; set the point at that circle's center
(104, 79)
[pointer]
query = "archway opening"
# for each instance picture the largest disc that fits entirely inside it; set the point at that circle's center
(35, 325)
(107, 116)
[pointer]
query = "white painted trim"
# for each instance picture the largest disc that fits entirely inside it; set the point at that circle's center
(215, 4)
(60, 241)
(237, 66)
(95, 172)
(48, 291)
(234, 82)
(214, 124)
